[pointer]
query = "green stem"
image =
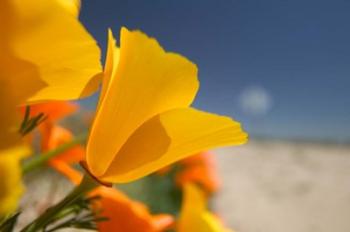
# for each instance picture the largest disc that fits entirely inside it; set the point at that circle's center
(41, 159)
(87, 184)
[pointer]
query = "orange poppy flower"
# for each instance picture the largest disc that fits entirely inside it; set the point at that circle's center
(200, 169)
(54, 110)
(54, 136)
(125, 214)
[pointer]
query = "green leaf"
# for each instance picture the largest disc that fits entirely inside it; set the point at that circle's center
(9, 224)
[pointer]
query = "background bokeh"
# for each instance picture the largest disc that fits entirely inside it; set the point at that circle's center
(281, 67)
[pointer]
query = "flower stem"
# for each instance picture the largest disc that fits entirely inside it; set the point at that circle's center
(86, 185)
(41, 159)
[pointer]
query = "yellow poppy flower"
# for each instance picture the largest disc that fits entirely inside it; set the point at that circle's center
(48, 40)
(144, 120)
(11, 187)
(11, 95)
(194, 215)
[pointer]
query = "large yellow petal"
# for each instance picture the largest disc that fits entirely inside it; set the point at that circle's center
(19, 78)
(169, 137)
(8, 122)
(13, 93)
(111, 63)
(6, 24)
(50, 37)
(146, 82)
(11, 187)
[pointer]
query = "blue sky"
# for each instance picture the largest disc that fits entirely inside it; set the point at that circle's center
(297, 51)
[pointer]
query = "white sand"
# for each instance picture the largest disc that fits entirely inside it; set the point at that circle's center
(285, 187)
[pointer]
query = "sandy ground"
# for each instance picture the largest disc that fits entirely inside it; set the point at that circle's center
(267, 187)
(285, 187)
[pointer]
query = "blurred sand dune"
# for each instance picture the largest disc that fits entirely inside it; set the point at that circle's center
(273, 186)
(268, 186)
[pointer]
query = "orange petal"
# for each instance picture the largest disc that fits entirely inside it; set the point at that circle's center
(199, 169)
(54, 110)
(163, 222)
(54, 136)
(65, 169)
(125, 214)
(200, 175)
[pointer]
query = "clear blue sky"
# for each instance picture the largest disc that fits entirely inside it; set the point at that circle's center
(298, 51)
